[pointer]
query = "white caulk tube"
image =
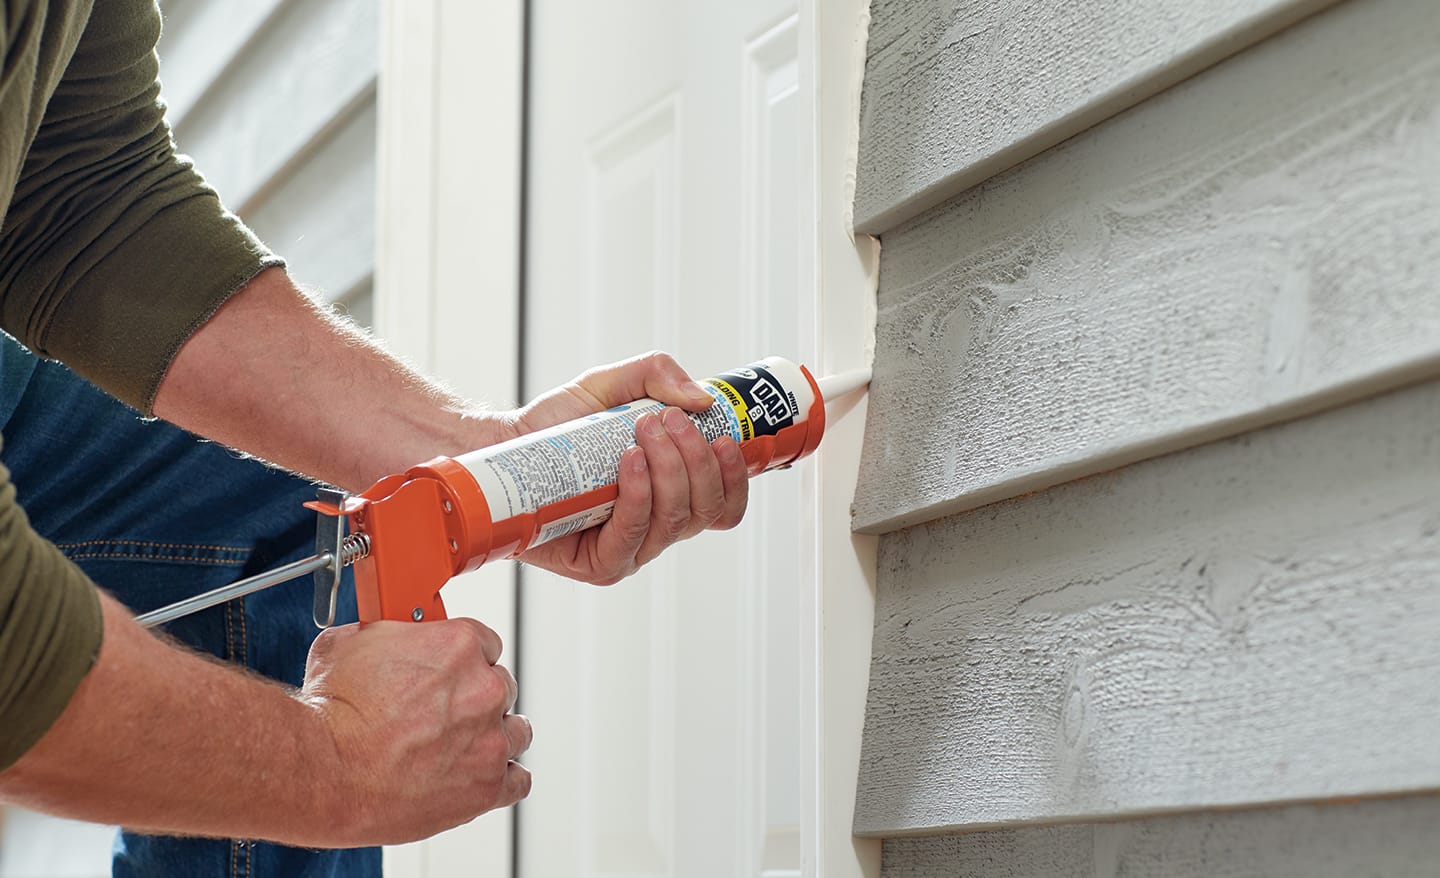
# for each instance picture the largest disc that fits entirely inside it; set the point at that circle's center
(564, 479)
(453, 514)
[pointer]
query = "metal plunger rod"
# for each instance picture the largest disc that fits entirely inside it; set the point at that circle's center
(293, 570)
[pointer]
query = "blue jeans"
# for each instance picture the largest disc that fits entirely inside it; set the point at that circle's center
(153, 515)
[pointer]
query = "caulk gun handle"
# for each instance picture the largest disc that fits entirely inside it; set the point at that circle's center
(414, 549)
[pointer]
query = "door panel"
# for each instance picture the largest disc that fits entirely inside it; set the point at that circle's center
(666, 178)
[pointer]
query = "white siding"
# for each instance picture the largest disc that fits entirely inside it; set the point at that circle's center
(1250, 621)
(275, 100)
(955, 92)
(1152, 440)
(1385, 839)
(1254, 244)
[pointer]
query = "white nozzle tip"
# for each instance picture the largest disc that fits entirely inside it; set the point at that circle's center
(832, 387)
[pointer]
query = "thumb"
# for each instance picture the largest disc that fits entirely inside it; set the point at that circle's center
(322, 651)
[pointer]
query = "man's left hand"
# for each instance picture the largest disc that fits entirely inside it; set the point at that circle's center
(673, 484)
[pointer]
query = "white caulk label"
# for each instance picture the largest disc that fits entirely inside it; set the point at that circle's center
(570, 524)
(526, 474)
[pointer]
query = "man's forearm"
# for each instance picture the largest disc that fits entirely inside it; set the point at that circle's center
(164, 740)
(276, 375)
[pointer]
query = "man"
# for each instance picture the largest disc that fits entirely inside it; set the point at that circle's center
(115, 258)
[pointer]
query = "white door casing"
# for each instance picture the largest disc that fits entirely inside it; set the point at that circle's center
(839, 596)
(447, 275)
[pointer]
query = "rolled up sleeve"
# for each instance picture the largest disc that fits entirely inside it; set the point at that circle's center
(114, 249)
(50, 630)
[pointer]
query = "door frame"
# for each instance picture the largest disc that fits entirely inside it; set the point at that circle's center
(838, 601)
(447, 267)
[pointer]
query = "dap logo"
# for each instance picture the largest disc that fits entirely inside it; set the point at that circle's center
(772, 406)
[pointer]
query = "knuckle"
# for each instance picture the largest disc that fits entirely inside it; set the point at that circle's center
(494, 689)
(495, 753)
(672, 525)
(733, 515)
(725, 522)
(656, 358)
(709, 509)
(512, 687)
(634, 530)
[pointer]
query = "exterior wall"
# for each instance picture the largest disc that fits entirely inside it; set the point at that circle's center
(1217, 311)
(956, 92)
(1254, 244)
(275, 100)
(1250, 621)
(1394, 838)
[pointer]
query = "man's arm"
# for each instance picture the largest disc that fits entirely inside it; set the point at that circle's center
(276, 375)
(397, 734)
(401, 730)
(114, 250)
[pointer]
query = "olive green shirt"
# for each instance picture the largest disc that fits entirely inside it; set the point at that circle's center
(113, 250)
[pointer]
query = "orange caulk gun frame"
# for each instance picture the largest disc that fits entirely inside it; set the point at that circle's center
(436, 521)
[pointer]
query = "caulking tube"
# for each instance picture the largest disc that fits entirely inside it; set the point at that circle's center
(556, 482)
(451, 515)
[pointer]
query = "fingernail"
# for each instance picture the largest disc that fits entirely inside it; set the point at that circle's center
(637, 460)
(675, 421)
(653, 427)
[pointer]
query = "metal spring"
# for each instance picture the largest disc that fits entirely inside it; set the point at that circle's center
(353, 548)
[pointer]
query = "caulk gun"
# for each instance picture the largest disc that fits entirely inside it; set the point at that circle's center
(411, 532)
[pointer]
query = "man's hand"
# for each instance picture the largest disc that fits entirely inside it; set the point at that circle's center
(261, 374)
(421, 722)
(399, 732)
(672, 484)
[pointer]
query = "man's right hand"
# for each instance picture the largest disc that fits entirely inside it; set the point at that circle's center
(421, 724)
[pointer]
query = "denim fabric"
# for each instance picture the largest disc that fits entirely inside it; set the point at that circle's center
(154, 515)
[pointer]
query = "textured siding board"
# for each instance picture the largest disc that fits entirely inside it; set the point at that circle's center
(275, 100)
(1246, 622)
(321, 215)
(314, 64)
(202, 39)
(1393, 838)
(1254, 244)
(957, 91)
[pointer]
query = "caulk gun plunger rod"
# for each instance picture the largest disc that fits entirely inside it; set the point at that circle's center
(293, 570)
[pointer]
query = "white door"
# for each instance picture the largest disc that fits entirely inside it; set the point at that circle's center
(667, 181)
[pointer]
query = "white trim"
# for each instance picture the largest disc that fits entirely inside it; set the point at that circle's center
(447, 273)
(839, 605)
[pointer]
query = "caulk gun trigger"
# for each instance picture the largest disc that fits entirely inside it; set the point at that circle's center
(329, 532)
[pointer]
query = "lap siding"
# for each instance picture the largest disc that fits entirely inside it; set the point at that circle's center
(1255, 244)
